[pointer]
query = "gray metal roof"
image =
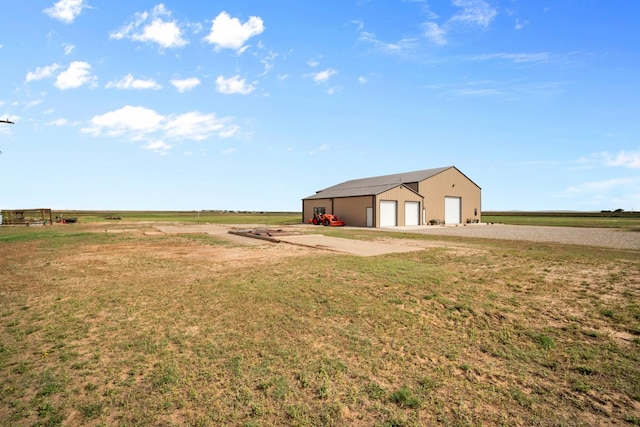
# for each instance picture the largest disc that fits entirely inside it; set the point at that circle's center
(375, 185)
(367, 190)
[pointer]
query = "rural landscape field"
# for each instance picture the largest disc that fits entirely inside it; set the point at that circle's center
(115, 322)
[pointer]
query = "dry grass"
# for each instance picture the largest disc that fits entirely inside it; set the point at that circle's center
(148, 329)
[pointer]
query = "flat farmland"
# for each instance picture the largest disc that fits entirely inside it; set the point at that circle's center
(120, 323)
(606, 219)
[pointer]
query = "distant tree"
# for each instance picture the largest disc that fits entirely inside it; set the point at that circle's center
(619, 210)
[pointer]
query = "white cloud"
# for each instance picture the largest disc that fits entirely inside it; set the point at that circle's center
(62, 122)
(11, 117)
(434, 33)
(608, 193)
(160, 147)
(66, 10)
(147, 125)
(166, 34)
(33, 103)
(195, 27)
(78, 74)
(477, 92)
(399, 46)
(520, 25)
(605, 185)
(41, 73)
(132, 121)
(197, 126)
(471, 13)
(514, 57)
(152, 27)
(363, 80)
(229, 33)
(128, 82)
(626, 159)
(58, 122)
(234, 85)
(476, 12)
(268, 62)
(323, 147)
(505, 89)
(184, 85)
(313, 63)
(323, 76)
(68, 48)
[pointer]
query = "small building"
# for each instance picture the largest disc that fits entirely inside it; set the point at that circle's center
(432, 196)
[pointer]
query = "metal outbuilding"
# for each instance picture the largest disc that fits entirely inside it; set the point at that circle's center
(432, 196)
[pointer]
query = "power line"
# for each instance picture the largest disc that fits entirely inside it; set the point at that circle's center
(8, 122)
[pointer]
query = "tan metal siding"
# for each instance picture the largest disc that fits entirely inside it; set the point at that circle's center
(353, 210)
(308, 205)
(454, 184)
(400, 194)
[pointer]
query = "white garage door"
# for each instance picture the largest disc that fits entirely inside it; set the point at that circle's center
(411, 213)
(452, 210)
(388, 213)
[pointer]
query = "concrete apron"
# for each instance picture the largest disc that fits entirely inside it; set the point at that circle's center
(349, 246)
(319, 241)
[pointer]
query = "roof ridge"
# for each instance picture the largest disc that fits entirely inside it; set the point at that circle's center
(395, 178)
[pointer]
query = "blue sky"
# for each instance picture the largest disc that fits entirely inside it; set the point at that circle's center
(254, 105)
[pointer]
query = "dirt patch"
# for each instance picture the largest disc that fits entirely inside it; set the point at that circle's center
(239, 249)
(350, 246)
(292, 236)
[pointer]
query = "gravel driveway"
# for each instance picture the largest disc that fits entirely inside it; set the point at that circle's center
(603, 237)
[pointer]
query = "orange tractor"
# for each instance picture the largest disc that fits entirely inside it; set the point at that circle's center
(326, 220)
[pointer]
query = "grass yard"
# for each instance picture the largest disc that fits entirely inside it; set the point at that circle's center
(142, 328)
(623, 220)
(186, 217)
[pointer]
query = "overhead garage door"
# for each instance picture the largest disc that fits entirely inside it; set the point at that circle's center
(452, 210)
(411, 213)
(388, 213)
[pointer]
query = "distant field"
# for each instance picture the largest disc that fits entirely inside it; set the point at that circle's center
(630, 220)
(625, 220)
(191, 217)
(137, 327)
